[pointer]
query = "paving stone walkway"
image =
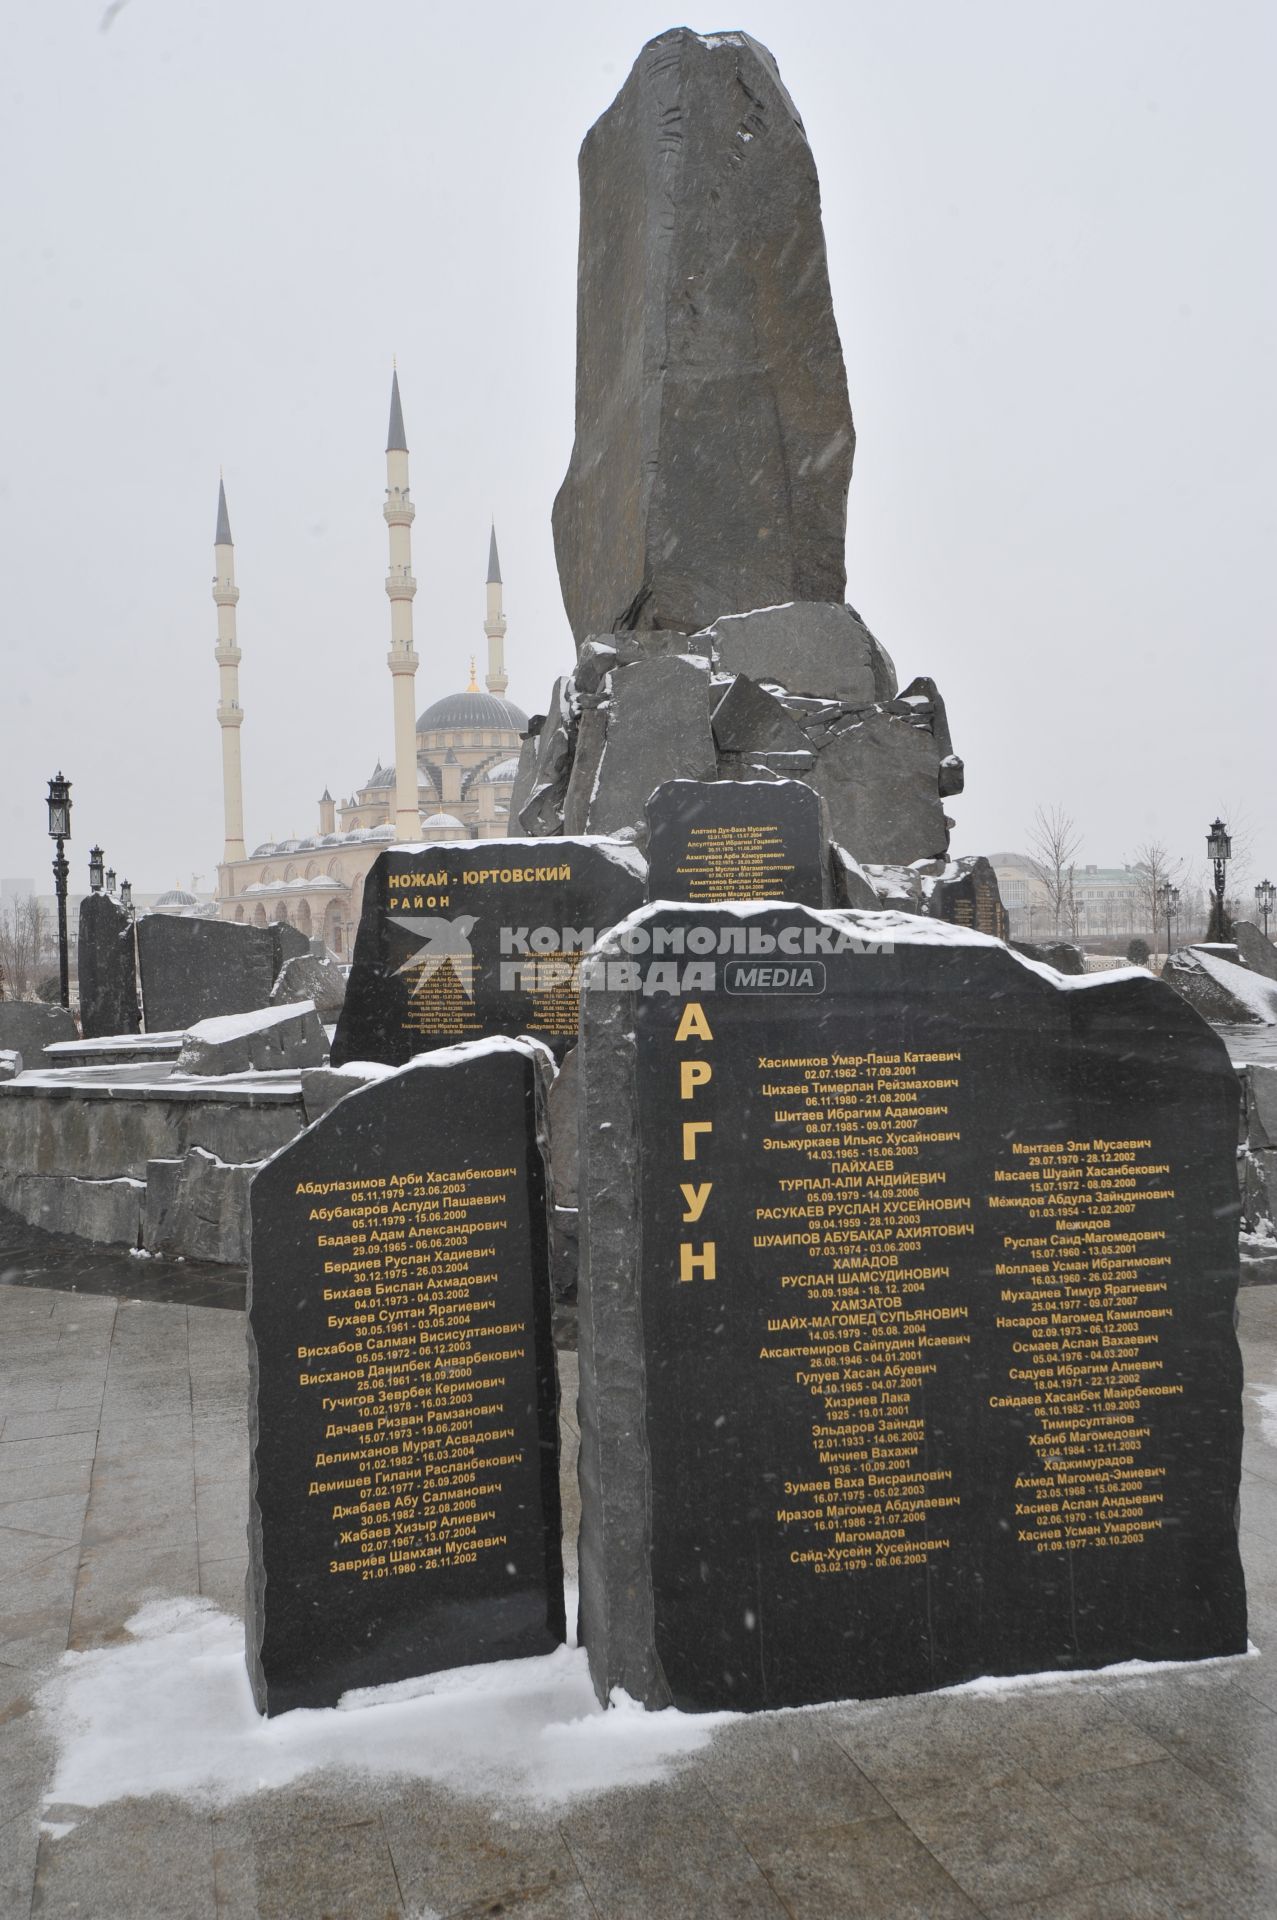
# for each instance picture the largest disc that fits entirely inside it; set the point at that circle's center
(123, 1477)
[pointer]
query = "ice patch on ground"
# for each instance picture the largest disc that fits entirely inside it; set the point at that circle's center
(169, 1711)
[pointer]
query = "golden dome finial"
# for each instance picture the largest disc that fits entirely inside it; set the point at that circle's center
(474, 684)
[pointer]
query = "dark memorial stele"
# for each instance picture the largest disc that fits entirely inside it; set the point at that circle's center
(462, 939)
(194, 970)
(107, 969)
(736, 840)
(404, 1403)
(906, 1314)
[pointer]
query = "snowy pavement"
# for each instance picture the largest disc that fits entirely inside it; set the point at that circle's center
(136, 1781)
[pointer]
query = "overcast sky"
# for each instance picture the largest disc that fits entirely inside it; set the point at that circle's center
(1050, 236)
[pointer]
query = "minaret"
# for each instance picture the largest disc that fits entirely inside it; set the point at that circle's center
(400, 585)
(494, 626)
(230, 715)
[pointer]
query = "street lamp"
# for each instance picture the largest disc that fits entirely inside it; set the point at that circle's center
(1265, 899)
(60, 833)
(110, 881)
(126, 895)
(1169, 902)
(95, 869)
(1220, 848)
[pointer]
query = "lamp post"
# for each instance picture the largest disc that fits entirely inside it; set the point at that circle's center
(1220, 848)
(1265, 899)
(110, 881)
(126, 895)
(1169, 901)
(95, 869)
(60, 833)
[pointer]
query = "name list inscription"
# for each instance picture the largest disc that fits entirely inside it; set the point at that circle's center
(411, 1385)
(1083, 1300)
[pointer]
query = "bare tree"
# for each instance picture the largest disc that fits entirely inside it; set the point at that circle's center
(24, 940)
(1156, 871)
(1053, 846)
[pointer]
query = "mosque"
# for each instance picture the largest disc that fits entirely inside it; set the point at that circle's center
(453, 769)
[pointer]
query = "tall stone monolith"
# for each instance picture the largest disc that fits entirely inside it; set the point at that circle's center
(714, 438)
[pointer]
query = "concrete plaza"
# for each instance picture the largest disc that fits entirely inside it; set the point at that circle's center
(122, 1433)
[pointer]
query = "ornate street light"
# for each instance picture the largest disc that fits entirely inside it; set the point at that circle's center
(1220, 848)
(126, 895)
(60, 833)
(1168, 900)
(95, 869)
(1265, 900)
(110, 881)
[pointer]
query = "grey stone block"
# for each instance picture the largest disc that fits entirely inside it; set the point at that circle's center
(922, 700)
(28, 1027)
(198, 1207)
(591, 734)
(657, 729)
(646, 645)
(1224, 993)
(106, 964)
(748, 720)
(713, 432)
(322, 982)
(880, 779)
(263, 1042)
(813, 648)
(1060, 954)
(96, 1134)
(594, 661)
(193, 970)
(525, 773)
(10, 1064)
(1256, 949)
(851, 884)
(323, 1087)
(542, 812)
(561, 1112)
(1259, 1104)
(108, 1211)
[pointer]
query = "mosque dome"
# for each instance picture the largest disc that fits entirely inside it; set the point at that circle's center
(443, 820)
(177, 897)
(503, 772)
(473, 708)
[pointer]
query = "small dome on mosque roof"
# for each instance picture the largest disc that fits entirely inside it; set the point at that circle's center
(177, 897)
(503, 771)
(259, 853)
(441, 820)
(380, 777)
(472, 708)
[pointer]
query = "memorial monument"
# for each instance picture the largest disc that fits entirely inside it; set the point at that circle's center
(906, 1314)
(404, 1403)
(700, 529)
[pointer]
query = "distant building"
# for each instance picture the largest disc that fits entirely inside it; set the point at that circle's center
(1108, 902)
(452, 772)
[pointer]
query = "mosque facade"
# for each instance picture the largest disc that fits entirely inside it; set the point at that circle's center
(452, 773)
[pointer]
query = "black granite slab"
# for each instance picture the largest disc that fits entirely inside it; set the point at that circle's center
(458, 940)
(107, 967)
(906, 1315)
(404, 1401)
(193, 970)
(736, 840)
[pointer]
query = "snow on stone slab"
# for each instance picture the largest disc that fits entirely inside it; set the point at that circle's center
(169, 1711)
(222, 1027)
(1257, 994)
(616, 847)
